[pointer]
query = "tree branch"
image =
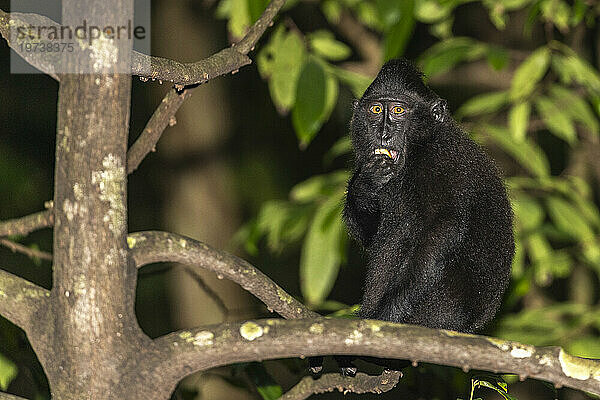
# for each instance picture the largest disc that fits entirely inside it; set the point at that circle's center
(6, 396)
(361, 383)
(154, 246)
(162, 117)
(181, 353)
(27, 224)
(181, 74)
(20, 300)
(19, 248)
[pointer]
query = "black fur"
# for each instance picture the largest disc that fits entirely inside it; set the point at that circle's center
(435, 221)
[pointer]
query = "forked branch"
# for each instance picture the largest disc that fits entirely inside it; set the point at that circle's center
(20, 300)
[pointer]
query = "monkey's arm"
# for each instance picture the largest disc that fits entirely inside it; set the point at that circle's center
(361, 211)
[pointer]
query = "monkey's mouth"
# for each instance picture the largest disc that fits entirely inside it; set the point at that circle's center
(393, 154)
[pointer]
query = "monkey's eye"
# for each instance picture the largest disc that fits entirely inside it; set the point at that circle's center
(397, 110)
(376, 109)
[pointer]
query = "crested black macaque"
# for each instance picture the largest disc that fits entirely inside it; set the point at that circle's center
(429, 208)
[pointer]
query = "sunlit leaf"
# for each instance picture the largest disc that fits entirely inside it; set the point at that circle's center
(8, 372)
(568, 218)
(529, 73)
(556, 119)
(430, 11)
(586, 346)
(483, 104)
(526, 152)
(528, 212)
(319, 186)
(288, 62)
(446, 54)
(574, 106)
(323, 43)
(321, 253)
(556, 12)
(518, 119)
(239, 18)
(332, 10)
(358, 83)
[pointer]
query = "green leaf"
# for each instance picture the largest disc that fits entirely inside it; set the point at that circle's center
(556, 12)
(320, 186)
(256, 8)
(282, 223)
(288, 62)
(446, 54)
(323, 43)
(526, 152)
(266, 386)
(483, 104)
(239, 18)
(529, 73)
(557, 120)
(528, 212)
(266, 55)
(398, 34)
(332, 11)
(310, 102)
(315, 99)
(518, 119)
(339, 148)
(573, 68)
(358, 83)
(568, 219)
(321, 253)
(430, 11)
(8, 372)
(576, 107)
(586, 346)
(389, 11)
(497, 57)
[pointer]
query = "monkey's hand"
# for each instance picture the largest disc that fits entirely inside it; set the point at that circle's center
(377, 172)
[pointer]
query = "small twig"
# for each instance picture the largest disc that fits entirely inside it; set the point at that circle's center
(154, 246)
(27, 224)
(361, 383)
(209, 292)
(163, 116)
(227, 60)
(29, 252)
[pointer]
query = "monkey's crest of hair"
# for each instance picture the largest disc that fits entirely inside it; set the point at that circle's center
(398, 77)
(428, 206)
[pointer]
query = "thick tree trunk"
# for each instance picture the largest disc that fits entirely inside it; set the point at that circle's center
(94, 330)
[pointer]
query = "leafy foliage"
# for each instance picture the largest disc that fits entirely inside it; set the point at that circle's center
(537, 119)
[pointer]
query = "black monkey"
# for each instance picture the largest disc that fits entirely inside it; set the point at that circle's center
(428, 206)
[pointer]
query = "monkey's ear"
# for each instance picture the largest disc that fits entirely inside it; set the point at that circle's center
(439, 109)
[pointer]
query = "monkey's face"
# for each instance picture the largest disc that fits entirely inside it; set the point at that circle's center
(379, 126)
